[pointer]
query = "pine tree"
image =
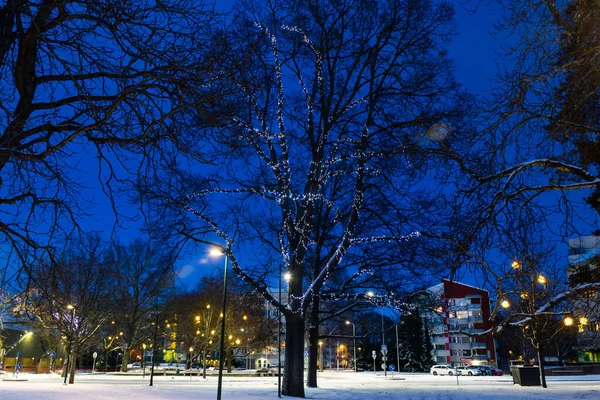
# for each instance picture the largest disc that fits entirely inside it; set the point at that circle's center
(415, 347)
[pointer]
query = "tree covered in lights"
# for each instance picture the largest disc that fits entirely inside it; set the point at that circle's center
(320, 156)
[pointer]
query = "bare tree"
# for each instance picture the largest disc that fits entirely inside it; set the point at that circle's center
(144, 271)
(83, 79)
(70, 296)
(338, 99)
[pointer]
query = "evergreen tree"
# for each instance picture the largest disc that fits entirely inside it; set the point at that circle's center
(415, 351)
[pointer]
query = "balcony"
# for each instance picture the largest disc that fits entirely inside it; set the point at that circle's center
(478, 345)
(476, 320)
(474, 307)
(479, 358)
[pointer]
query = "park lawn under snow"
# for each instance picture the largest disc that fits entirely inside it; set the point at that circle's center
(332, 385)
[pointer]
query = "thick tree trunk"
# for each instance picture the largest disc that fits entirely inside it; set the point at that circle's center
(293, 377)
(73, 365)
(313, 345)
(542, 372)
(125, 359)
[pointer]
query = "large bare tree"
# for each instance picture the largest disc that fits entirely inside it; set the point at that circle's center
(321, 168)
(89, 89)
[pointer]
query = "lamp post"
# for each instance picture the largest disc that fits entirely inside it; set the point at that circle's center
(191, 354)
(397, 350)
(218, 252)
(287, 277)
(353, 342)
(67, 366)
(321, 355)
(143, 357)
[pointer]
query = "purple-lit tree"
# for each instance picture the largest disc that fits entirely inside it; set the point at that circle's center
(71, 295)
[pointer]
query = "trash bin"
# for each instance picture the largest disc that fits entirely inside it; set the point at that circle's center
(177, 371)
(525, 376)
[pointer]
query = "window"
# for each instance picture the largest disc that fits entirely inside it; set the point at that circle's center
(466, 353)
(475, 300)
(440, 360)
(440, 347)
(460, 302)
(462, 314)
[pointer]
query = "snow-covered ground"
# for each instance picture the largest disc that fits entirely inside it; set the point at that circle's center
(332, 385)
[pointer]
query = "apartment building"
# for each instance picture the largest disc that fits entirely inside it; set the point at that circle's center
(584, 258)
(457, 316)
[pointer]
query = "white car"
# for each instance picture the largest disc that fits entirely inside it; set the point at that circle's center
(442, 370)
(469, 370)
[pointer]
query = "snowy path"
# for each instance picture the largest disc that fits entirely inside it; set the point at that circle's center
(333, 386)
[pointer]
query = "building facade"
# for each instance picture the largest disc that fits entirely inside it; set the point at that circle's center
(584, 258)
(457, 316)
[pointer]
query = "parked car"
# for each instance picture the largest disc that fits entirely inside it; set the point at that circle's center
(469, 370)
(442, 370)
(487, 370)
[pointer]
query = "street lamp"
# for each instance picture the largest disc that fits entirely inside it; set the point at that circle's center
(568, 321)
(287, 277)
(321, 355)
(215, 252)
(353, 342)
(67, 366)
(143, 358)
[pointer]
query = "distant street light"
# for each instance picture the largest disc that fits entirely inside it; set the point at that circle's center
(568, 321)
(216, 252)
(505, 304)
(354, 342)
(541, 279)
(321, 355)
(286, 277)
(67, 366)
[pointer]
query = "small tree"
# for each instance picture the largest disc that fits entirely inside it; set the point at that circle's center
(70, 295)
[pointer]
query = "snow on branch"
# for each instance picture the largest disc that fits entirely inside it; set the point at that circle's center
(513, 171)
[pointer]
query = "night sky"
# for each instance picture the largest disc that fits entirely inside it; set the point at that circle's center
(474, 51)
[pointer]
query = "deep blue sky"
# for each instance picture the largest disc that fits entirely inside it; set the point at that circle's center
(473, 51)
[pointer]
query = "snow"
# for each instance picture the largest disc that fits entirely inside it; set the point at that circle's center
(333, 386)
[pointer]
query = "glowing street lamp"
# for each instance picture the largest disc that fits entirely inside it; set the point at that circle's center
(353, 342)
(217, 252)
(583, 321)
(515, 265)
(505, 303)
(541, 279)
(67, 366)
(568, 321)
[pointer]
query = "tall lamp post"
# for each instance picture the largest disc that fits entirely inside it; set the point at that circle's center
(287, 277)
(67, 365)
(353, 342)
(219, 252)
